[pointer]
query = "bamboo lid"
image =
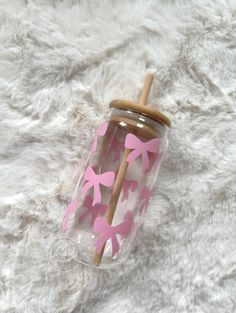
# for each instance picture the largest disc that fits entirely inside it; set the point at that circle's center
(141, 109)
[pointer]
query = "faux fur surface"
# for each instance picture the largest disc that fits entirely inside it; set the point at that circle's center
(61, 62)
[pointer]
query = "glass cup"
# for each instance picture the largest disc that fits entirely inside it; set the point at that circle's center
(113, 192)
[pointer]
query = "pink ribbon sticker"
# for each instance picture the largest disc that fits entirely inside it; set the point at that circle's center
(145, 196)
(71, 208)
(92, 180)
(128, 185)
(92, 211)
(100, 132)
(142, 149)
(107, 232)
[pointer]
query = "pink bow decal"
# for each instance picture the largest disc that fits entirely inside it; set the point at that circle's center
(117, 147)
(94, 180)
(145, 195)
(92, 211)
(100, 131)
(141, 149)
(128, 184)
(107, 232)
(69, 210)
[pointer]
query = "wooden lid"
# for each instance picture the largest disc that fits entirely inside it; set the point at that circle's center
(141, 109)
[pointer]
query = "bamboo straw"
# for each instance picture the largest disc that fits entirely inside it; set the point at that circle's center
(146, 89)
(122, 170)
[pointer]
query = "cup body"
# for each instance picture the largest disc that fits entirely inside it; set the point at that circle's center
(113, 192)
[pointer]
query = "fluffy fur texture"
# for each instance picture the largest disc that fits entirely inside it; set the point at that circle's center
(60, 65)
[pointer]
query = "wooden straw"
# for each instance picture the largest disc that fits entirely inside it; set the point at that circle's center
(146, 89)
(122, 170)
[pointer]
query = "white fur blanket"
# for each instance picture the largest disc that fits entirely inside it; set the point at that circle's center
(61, 62)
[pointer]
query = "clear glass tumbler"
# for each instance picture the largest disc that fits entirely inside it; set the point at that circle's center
(113, 192)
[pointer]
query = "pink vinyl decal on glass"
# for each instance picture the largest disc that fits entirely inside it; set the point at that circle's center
(93, 180)
(107, 232)
(91, 211)
(142, 149)
(100, 132)
(128, 185)
(145, 196)
(116, 147)
(71, 208)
